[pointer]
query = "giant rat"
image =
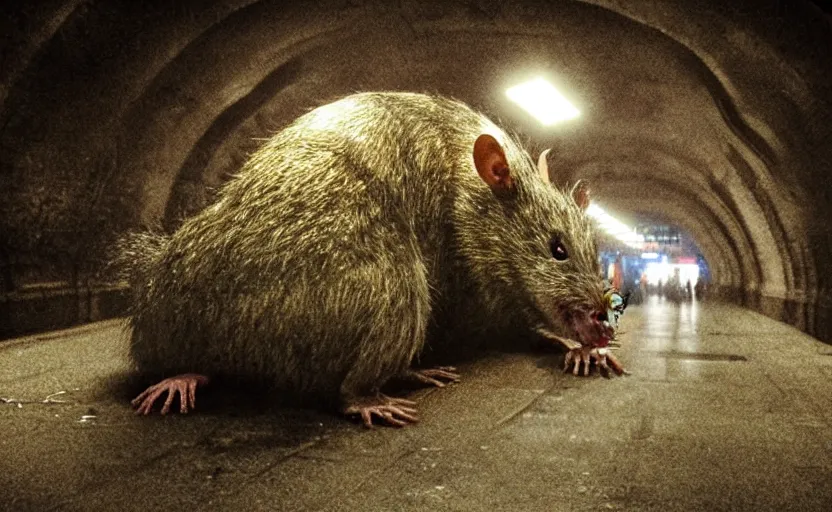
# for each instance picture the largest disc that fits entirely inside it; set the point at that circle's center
(322, 263)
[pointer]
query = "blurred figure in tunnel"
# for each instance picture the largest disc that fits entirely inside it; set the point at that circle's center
(699, 289)
(617, 273)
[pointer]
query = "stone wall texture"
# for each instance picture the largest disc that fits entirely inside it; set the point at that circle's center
(714, 116)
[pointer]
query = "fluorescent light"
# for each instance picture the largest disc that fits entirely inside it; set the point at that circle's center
(615, 228)
(664, 271)
(594, 210)
(540, 99)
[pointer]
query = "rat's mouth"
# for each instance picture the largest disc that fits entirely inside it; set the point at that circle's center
(593, 328)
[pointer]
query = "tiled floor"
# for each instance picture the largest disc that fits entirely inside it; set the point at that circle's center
(725, 410)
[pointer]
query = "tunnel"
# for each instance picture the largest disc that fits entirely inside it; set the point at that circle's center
(713, 117)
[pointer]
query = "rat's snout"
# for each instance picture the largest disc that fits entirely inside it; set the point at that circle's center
(605, 330)
(593, 328)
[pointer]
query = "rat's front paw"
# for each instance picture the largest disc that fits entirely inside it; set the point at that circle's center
(602, 357)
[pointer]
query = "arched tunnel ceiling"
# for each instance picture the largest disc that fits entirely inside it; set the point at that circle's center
(710, 116)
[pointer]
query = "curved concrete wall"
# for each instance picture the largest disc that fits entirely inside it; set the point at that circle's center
(706, 114)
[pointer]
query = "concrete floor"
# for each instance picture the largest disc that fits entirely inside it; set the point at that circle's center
(725, 410)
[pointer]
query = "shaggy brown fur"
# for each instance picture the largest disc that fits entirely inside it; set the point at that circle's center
(324, 261)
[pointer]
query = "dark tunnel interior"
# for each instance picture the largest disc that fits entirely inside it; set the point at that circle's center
(704, 128)
(707, 115)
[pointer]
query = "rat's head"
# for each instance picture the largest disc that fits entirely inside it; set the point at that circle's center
(535, 245)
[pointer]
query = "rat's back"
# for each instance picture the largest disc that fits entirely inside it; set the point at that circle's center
(303, 256)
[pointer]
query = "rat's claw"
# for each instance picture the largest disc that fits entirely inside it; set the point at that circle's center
(431, 376)
(407, 413)
(576, 357)
(604, 367)
(396, 412)
(171, 391)
(389, 418)
(616, 366)
(396, 401)
(142, 396)
(442, 372)
(586, 359)
(392, 415)
(584, 356)
(185, 385)
(366, 417)
(568, 359)
(146, 400)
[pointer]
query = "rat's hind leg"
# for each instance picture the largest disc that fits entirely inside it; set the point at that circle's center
(390, 337)
(396, 412)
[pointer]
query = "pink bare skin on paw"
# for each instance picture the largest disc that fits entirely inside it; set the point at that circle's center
(578, 355)
(396, 412)
(604, 360)
(432, 376)
(185, 385)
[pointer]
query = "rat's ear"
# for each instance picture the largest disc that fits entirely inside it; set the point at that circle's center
(580, 193)
(543, 166)
(491, 164)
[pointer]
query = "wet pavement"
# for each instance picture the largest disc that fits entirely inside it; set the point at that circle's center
(725, 410)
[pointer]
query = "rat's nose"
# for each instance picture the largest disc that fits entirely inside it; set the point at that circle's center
(603, 322)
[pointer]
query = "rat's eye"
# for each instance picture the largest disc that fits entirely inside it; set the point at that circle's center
(558, 249)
